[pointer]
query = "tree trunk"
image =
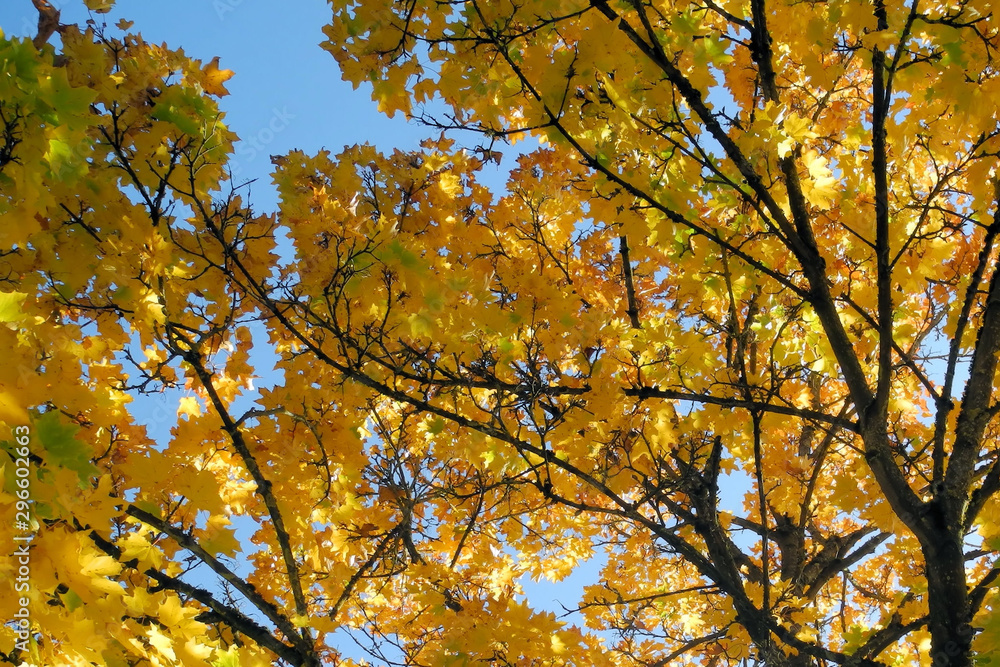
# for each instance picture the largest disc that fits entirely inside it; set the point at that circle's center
(948, 602)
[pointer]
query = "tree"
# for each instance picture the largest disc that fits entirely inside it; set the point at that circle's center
(756, 248)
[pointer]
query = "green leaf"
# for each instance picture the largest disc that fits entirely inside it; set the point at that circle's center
(954, 53)
(711, 50)
(406, 258)
(434, 300)
(18, 57)
(686, 23)
(65, 163)
(987, 643)
(61, 446)
(175, 115)
(854, 637)
(149, 507)
(71, 104)
(71, 600)
(182, 108)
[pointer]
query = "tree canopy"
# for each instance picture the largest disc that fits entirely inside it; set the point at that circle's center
(730, 330)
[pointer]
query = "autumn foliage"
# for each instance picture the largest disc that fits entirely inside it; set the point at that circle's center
(728, 337)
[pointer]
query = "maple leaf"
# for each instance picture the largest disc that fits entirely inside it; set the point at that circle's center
(100, 6)
(59, 442)
(10, 306)
(728, 333)
(213, 78)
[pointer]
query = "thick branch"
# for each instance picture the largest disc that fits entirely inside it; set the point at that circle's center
(633, 306)
(737, 403)
(946, 404)
(48, 22)
(881, 100)
(233, 617)
(249, 592)
(975, 413)
(192, 357)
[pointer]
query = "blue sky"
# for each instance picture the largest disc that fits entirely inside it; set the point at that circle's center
(286, 94)
(283, 78)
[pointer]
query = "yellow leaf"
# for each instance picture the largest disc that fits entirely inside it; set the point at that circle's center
(214, 78)
(10, 306)
(161, 642)
(11, 410)
(189, 406)
(797, 130)
(100, 566)
(218, 538)
(100, 6)
(196, 651)
(136, 545)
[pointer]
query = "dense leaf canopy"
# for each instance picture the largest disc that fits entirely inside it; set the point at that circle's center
(730, 331)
